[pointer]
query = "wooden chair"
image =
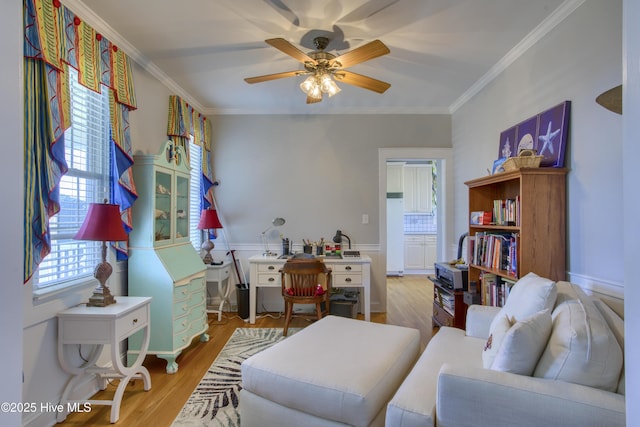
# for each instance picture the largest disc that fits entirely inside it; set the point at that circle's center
(300, 279)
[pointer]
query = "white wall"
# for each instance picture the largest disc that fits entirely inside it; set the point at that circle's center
(11, 174)
(576, 61)
(319, 172)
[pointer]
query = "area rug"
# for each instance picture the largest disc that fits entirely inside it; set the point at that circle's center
(214, 402)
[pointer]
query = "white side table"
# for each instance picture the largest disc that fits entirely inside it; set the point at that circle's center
(99, 326)
(220, 274)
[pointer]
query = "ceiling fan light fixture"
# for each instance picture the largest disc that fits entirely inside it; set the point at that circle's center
(308, 84)
(328, 86)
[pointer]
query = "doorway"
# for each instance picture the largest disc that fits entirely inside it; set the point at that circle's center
(444, 185)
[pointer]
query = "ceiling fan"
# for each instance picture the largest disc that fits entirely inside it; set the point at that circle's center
(322, 67)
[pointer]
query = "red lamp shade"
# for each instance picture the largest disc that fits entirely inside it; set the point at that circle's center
(209, 219)
(102, 223)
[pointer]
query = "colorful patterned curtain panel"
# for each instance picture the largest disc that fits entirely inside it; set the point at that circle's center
(184, 120)
(54, 39)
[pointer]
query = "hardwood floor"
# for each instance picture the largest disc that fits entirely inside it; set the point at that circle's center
(409, 303)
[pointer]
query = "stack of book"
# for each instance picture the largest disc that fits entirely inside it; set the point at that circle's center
(495, 250)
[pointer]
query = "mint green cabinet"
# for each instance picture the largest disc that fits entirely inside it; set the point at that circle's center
(162, 262)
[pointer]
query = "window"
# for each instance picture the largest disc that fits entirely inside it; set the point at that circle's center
(195, 161)
(87, 181)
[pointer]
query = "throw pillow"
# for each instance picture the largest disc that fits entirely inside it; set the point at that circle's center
(523, 344)
(530, 295)
(502, 324)
(582, 349)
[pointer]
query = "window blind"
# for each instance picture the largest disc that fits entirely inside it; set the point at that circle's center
(195, 160)
(87, 156)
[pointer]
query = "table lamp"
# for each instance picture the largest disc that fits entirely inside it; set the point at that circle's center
(102, 224)
(208, 220)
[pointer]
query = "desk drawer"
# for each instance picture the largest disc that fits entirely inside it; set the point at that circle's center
(269, 279)
(270, 268)
(346, 268)
(353, 279)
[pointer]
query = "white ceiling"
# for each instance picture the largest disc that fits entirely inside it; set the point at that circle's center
(441, 50)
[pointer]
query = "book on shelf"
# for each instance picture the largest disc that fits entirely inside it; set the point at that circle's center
(496, 289)
(495, 250)
(506, 211)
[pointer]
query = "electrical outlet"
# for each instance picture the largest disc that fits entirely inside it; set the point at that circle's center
(365, 218)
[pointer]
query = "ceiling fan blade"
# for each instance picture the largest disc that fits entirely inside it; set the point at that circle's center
(361, 81)
(363, 53)
(286, 47)
(311, 100)
(268, 77)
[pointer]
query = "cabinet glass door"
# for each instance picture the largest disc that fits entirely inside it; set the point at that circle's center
(162, 214)
(182, 207)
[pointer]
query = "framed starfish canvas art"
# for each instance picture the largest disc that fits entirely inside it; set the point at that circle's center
(553, 128)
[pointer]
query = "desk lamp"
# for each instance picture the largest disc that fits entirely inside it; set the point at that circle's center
(102, 224)
(208, 220)
(338, 237)
(277, 222)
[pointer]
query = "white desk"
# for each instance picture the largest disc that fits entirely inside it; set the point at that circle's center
(219, 274)
(346, 273)
(99, 326)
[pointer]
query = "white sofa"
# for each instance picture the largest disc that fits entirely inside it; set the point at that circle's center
(571, 353)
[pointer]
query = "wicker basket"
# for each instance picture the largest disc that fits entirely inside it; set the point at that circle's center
(526, 159)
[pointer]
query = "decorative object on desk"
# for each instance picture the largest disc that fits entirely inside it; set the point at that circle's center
(611, 99)
(277, 222)
(338, 237)
(526, 159)
(102, 224)
(208, 221)
(553, 127)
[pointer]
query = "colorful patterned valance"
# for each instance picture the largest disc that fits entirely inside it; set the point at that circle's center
(54, 34)
(184, 120)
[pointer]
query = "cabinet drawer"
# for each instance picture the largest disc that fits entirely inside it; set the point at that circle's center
(133, 321)
(181, 293)
(197, 299)
(346, 268)
(180, 308)
(180, 324)
(269, 279)
(441, 316)
(269, 268)
(196, 284)
(354, 279)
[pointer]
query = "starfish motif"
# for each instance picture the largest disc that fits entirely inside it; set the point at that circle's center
(547, 140)
(506, 149)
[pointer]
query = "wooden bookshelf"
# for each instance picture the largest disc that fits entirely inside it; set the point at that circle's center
(540, 230)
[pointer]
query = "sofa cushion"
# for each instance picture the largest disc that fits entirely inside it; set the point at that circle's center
(616, 324)
(501, 325)
(523, 344)
(582, 349)
(414, 404)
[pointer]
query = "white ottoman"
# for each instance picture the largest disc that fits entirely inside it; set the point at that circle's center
(336, 372)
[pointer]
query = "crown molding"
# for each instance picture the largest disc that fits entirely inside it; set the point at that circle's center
(553, 20)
